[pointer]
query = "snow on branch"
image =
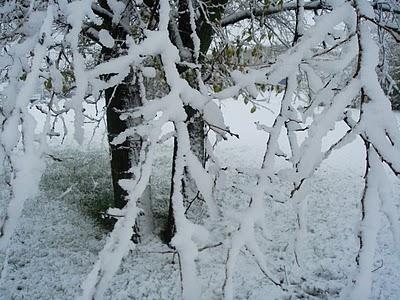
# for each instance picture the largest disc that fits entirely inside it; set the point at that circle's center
(18, 129)
(383, 136)
(287, 66)
(187, 235)
(291, 6)
(382, 142)
(337, 71)
(119, 242)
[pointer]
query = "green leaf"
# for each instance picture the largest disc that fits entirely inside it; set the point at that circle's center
(217, 88)
(48, 84)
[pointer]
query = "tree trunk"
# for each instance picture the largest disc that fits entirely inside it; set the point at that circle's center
(126, 155)
(120, 98)
(125, 96)
(195, 124)
(194, 203)
(194, 120)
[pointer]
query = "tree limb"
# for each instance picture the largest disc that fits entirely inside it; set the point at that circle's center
(273, 9)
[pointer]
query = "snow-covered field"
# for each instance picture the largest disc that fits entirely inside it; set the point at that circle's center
(58, 238)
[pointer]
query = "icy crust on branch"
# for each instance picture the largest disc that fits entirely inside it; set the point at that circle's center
(289, 62)
(18, 129)
(381, 138)
(382, 135)
(287, 66)
(28, 62)
(119, 242)
(187, 233)
(336, 74)
(77, 11)
(169, 108)
(20, 143)
(306, 157)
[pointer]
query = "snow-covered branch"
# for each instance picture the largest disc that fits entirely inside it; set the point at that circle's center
(330, 64)
(18, 128)
(292, 6)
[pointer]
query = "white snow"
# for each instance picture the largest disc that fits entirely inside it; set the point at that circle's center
(106, 39)
(294, 212)
(55, 245)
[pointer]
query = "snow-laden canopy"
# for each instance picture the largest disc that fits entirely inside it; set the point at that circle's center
(335, 56)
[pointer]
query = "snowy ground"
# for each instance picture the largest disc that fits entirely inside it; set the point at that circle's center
(58, 239)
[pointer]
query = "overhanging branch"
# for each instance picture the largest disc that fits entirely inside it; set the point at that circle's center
(274, 9)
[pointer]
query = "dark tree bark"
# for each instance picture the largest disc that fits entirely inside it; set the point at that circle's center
(120, 98)
(125, 96)
(195, 122)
